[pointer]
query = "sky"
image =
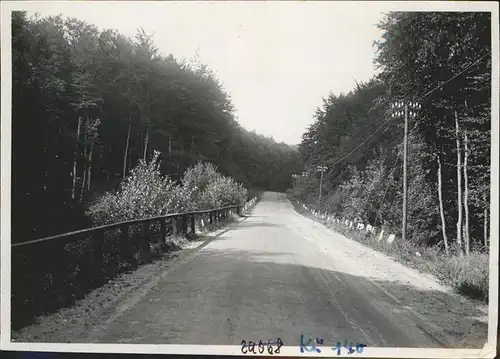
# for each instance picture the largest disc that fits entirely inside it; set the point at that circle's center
(276, 59)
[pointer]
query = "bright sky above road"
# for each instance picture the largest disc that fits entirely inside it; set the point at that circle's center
(276, 59)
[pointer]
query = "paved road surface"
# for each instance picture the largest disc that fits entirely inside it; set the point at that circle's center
(279, 274)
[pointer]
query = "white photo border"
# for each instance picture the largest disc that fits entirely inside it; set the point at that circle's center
(489, 349)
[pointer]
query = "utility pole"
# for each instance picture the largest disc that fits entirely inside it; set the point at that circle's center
(321, 169)
(405, 176)
(409, 111)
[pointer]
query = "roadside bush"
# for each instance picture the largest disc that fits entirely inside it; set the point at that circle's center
(200, 176)
(105, 210)
(147, 193)
(210, 189)
(144, 193)
(228, 191)
(198, 181)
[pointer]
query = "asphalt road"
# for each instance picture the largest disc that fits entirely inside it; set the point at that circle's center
(279, 274)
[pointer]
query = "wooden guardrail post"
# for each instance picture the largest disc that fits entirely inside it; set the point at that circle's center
(144, 243)
(163, 234)
(193, 224)
(210, 216)
(97, 246)
(126, 246)
(56, 269)
(184, 224)
(173, 220)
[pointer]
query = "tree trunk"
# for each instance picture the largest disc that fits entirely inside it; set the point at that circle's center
(89, 176)
(73, 189)
(485, 224)
(486, 229)
(82, 188)
(459, 186)
(466, 197)
(130, 163)
(170, 146)
(170, 140)
(85, 158)
(109, 164)
(140, 140)
(126, 148)
(146, 144)
(441, 207)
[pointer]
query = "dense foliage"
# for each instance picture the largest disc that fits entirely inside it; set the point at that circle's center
(148, 193)
(418, 53)
(88, 105)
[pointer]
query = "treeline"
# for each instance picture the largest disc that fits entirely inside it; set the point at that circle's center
(449, 139)
(89, 104)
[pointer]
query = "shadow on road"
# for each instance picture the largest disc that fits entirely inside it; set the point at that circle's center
(220, 297)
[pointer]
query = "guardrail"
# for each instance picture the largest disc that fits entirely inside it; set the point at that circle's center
(52, 272)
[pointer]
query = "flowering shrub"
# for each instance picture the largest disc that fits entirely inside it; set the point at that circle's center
(146, 193)
(196, 181)
(211, 189)
(200, 176)
(105, 210)
(228, 191)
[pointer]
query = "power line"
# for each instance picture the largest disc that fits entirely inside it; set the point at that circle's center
(362, 143)
(454, 77)
(421, 97)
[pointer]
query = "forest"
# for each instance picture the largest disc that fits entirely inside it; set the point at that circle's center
(90, 105)
(442, 62)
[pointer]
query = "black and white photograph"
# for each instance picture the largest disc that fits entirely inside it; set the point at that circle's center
(276, 178)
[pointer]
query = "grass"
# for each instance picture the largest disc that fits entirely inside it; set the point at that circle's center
(467, 275)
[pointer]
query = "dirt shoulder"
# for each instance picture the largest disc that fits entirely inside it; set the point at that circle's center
(431, 300)
(424, 260)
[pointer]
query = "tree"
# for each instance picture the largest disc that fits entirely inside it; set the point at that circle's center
(351, 135)
(459, 187)
(99, 102)
(441, 206)
(444, 46)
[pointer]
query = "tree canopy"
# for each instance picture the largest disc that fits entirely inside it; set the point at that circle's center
(89, 104)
